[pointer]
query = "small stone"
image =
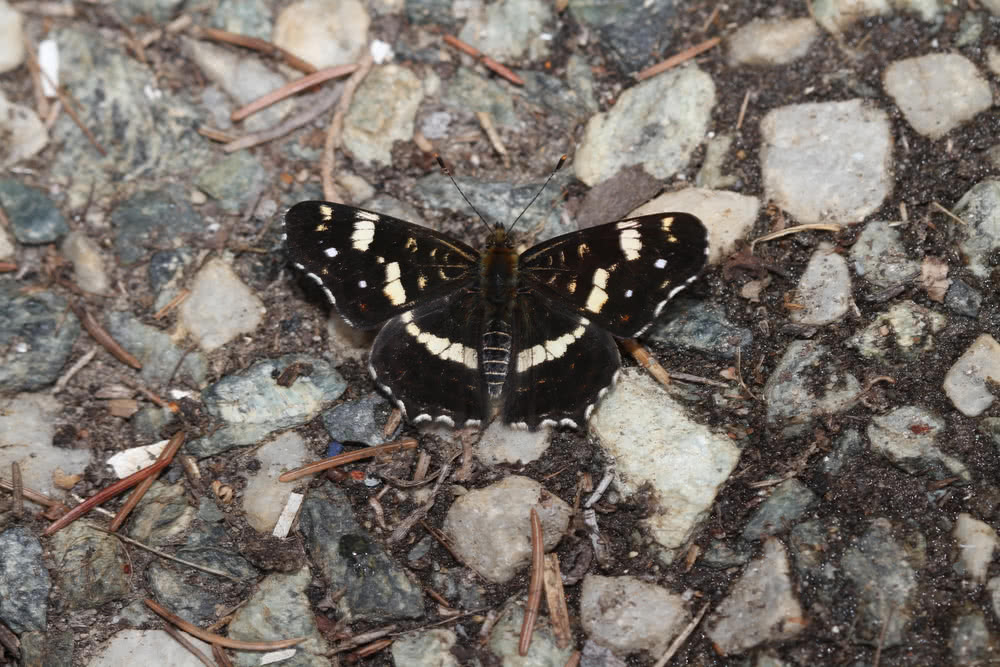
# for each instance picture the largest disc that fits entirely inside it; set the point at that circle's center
(264, 496)
(907, 436)
(279, 608)
(980, 237)
(93, 568)
(963, 299)
(880, 257)
(245, 17)
(349, 558)
(148, 647)
(27, 426)
(324, 33)
(162, 359)
(162, 515)
(827, 161)
(807, 381)
(993, 59)
(543, 651)
(36, 337)
(630, 615)
(361, 420)
(24, 584)
(700, 325)
(220, 306)
(908, 81)
(971, 644)
(655, 442)
(149, 218)
(503, 444)
(11, 38)
(824, 290)
(243, 78)
(88, 265)
(661, 136)
(489, 526)
(976, 541)
(509, 29)
(761, 607)
(251, 405)
(382, 112)
(490, 96)
(7, 248)
(787, 503)
(729, 216)
(906, 331)
(837, 15)
(233, 181)
(771, 42)
(427, 648)
(967, 382)
(34, 218)
(23, 131)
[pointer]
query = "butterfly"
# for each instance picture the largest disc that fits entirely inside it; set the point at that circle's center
(471, 335)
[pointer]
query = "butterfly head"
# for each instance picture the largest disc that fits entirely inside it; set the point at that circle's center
(499, 237)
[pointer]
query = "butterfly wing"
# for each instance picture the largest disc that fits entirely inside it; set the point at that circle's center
(373, 266)
(427, 359)
(619, 275)
(552, 347)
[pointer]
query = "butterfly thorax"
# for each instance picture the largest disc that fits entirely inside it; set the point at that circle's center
(498, 283)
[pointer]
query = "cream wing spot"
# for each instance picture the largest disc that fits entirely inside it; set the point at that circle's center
(630, 241)
(598, 296)
(393, 289)
(331, 252)
(363, 234)
(326, 211)
(660, 263)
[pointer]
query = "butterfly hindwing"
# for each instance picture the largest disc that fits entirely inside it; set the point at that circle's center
(561, 365)
(427, 359)
(619, 275)
(373, 266)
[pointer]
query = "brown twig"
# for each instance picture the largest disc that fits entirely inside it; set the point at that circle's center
(797, 229)
(334, 131)
(195, 631)
(291, 88)
(322, 104)
(130, 503)
(256, 44)
(216, 134)
(349, 457)
(555, 600)
(487, 62)
(173, 303)
(677, 59)
(192, 649)
(65, 98)
(7, 267)
(99, 334)
(166, 456)
(32, 495)
(574, 659)
(535, 587)
(646, 360)
(372, 648)
(363, 638)
(221, 659)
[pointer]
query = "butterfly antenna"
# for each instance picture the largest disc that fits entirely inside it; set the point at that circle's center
(447, 172)
(562, 161)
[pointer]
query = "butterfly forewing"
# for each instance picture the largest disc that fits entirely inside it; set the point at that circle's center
(619, 275)
(373, 266)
